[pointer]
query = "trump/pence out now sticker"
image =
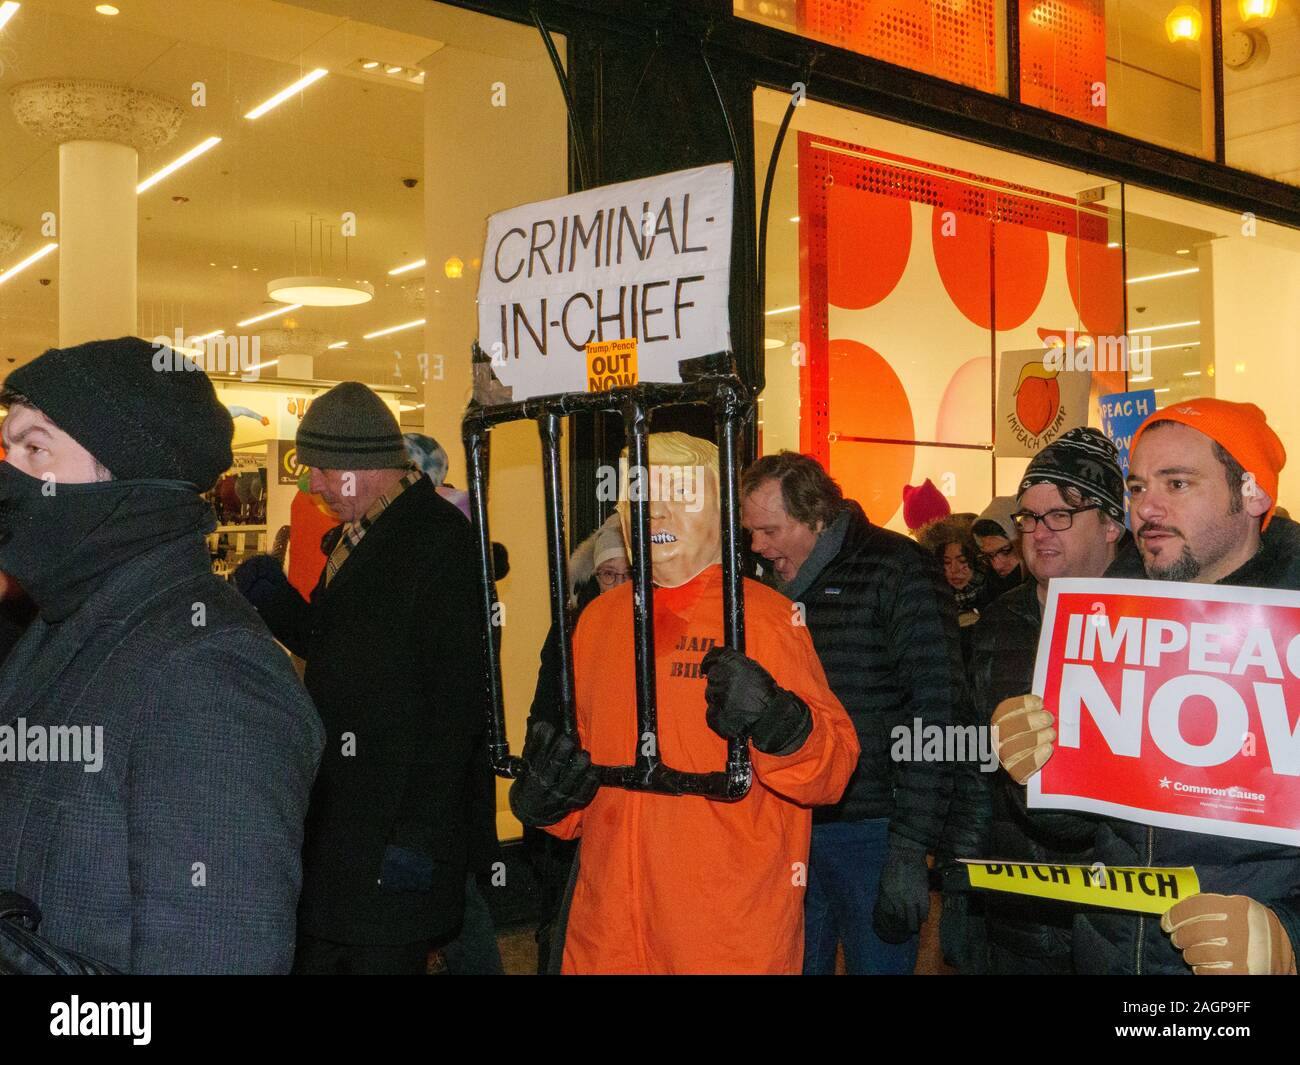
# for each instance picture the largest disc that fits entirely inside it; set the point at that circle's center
(1176, 705)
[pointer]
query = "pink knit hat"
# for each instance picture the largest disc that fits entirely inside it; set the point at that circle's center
(923, 504)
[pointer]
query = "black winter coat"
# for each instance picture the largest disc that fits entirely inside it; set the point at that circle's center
(181, 851)
(1112, 942)
(1006, 644)
(395, 664)
(884, 624)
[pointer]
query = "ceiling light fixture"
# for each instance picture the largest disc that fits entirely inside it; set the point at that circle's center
(782, 310)
(269, 314)
(1261, 9)
(107, 9)
(1183, 24)
(403, 269)
(320, 291)
(7, 11)
(393, 329)
(208, 336)
(370, 64)
(258, 366)
(176, 164)
(285, 93)
(454, 267)
(392, 69)
(1162, 328)
(1191, 373)
(1139, 380)
(35, 256)
(1161, 277)
(1183, 251)
(338, 344)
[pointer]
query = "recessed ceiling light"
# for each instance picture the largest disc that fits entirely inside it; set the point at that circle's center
(770, 343)
(1167, 273)
(794, 218)
(782, 310)
(403, 269)
(7, 11)
(338, 344)
(393, 329)
(1184, 251)
(207, 336)
(286, 92)
(35, 256)
(370, 64)
(394, 69)
(1113, 244)
(107, 9)
(269, 314)
(176, 164)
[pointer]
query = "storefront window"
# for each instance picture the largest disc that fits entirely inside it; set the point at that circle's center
(1233, 291)
(1139, 67)
(1261, 87)
(960, 40)
(379, 172)
(903, 268)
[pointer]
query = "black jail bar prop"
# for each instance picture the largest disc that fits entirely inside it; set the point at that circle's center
(711, 381)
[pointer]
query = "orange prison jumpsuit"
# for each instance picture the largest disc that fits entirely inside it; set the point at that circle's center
(684, 884)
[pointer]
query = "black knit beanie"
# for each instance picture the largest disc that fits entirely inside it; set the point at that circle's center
(142, 410)
(1084, 458)
(350, 428)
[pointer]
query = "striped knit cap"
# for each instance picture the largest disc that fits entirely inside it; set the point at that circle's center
(350, 428)
(1084, 459)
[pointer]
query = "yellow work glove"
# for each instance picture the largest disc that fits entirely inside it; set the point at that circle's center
(1024, 735)
(1229, 935)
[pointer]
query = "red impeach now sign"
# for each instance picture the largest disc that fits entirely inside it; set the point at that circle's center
(1176, 705)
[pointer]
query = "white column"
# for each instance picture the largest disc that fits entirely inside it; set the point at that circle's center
(100, 127)
(97, 241)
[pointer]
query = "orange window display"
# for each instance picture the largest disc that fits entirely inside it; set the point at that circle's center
(914, 278)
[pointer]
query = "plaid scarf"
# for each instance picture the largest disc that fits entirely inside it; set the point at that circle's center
(350, 533)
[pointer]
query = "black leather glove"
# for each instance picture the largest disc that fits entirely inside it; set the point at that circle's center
(744, 700)
(557, 777)
(260, 579)
(903, 901)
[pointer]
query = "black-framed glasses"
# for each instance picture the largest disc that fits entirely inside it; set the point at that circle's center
(1056, 520)
(1002, 552)
(612, 578)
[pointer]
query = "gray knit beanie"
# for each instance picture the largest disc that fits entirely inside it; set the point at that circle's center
(350, 428)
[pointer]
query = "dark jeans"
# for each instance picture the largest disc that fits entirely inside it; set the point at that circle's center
(323, 957)
(844, 866)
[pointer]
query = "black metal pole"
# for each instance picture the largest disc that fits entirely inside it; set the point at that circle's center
(550, 429)
(637, 425)
(729, 413)
(477, 456)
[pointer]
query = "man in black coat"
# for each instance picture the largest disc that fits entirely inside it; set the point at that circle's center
(156, 748)
(1203, 482)
(393, 639)
(885, 628)
(1070, 510)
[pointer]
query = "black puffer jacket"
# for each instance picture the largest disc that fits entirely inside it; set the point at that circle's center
(885, 627)
(1006, 644)
(1111, 942)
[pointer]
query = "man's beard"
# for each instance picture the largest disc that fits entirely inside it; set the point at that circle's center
(1183, 568)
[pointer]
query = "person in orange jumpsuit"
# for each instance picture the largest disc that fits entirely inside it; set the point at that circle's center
(686, 884)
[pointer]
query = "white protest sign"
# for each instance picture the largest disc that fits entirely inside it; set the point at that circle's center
(646, 260)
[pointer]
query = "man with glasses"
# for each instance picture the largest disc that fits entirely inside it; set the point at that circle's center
(1071, 521)
(1203, 482)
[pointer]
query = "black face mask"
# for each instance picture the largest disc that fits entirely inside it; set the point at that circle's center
(60, 541)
